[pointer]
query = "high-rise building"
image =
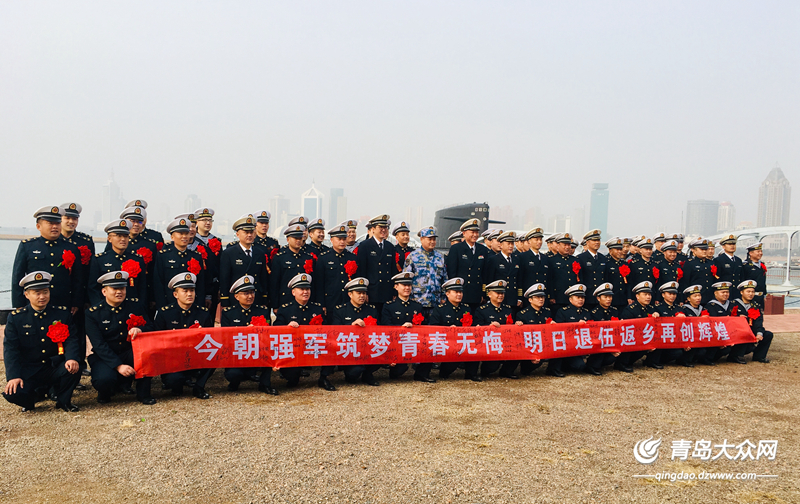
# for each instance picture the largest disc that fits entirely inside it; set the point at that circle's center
(112, 200)
(598, 209)
(774, 197)
(533, 218)
(414, 219)
(701, 217)
(311, 203)
(279, 208)
(726, 217)
(337, 200)
(191, 203)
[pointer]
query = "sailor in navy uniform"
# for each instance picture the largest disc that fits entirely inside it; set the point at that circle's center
(504, 266)
(402, 234)
(175, 259)
(112, 259)
(376, 262)
(204, 220)
(262, 228)
(533, 264)
(452, 313)
(33, 361)
(290, 261)
(748, 306)
(145, 248)
(466, 260)
(107, 325)
(300, 310)
(49, 252)
(593, 265)
(618, 281)
(552, 246)
(668, 307)
(574, 312)
(643, 267)
(356, 311)
(693, 307)
(659, 239)
(316, 232)
(330, 271)
(454, 238)
(720, 306)
(754, 269)
(697, 270)
(351, 236)
(150, 234)
(182, 314)
(496, 313)
(535, 313)
(640, 308)
(563, 274)
(668, 269)
(70, 216)
(241, 313)
(244, 258)
(729, 266)
(401, 311)
(602, 311)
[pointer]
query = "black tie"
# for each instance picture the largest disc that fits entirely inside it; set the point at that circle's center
(248, 252)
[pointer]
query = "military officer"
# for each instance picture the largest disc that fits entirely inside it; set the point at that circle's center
(496, 313)
(668, 270)
(643, 269)
(573, 312)
(204, 221)
(751, 309)
(728, 265)
(182, 314)
(402, 234)
(244, 312)
(754, 269)
(720, 306)
(300, 310)
(564, 273)
(146, 232)
(454, 238)
(52, 253)
(659, 239)
(176, 258)
(641, 307)
(332, 270)
(533, 265)
(262, 228)
(144, 247)
(118, 258)
(111, 326)
(316, 231)
(466, 260)
(404, 311)
(376, 262)
(593, 265)
(697, 271)
(603, 311)
(454, 313)
(668, 307)
(429, 271)
(70, 215)
(290, 261)
(682, 258)
(351, 235)
(617, 272)
(244, 258)
(356, 311)
(552, 246)
(536, 313)
(492, 242)
(34, 358)
(504, 266)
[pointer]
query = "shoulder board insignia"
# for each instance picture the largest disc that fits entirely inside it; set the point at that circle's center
(227, 308)
(204, 308)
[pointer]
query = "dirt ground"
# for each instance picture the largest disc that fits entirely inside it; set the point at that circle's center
(537, 439)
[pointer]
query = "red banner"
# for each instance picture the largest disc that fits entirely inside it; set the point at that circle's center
(162, 352)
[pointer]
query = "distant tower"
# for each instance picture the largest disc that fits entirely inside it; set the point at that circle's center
(191, 203)
(726, 217)
(598, 209)
(279, 208)
(311, 203)
(112, 199)
(334, 217)
(774, 197)
(701, 217)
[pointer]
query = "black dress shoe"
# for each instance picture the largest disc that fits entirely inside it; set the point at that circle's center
(69, 407)
(556, 373)
(32, 409)
(177, 392)
(763, 361)
(737, 360)
(510, 376)
(687, 364)
(233, 387)
(370, 381)
(707, 362)
(292, 383)
(475, 378)
(127, 390)
(267, 390)
(326, 384)
(103, 399)
(623, 368)
(305, 374)
(425, 379)
(200, 393)
(189, 382)
(86, 372)
(149, 401)
(654, 366)
(80, 386)
(593, 371)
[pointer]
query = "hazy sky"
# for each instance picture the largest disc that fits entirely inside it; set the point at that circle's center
(401, 103)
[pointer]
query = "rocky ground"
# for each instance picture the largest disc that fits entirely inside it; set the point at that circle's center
(538, 439)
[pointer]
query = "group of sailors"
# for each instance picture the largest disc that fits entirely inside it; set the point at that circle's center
(63, 292)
